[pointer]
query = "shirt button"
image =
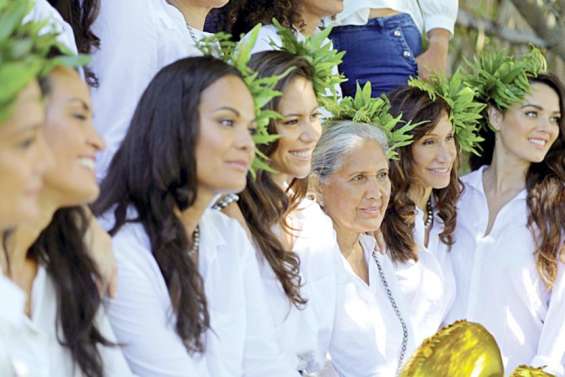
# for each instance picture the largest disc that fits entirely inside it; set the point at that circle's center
(406, 54)
(397, 33)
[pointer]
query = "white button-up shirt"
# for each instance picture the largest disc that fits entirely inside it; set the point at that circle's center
(241, 340)
(498, 284)
(427, 14)
(138, 38)
(337, 319)
(41, 11)
(32, 344)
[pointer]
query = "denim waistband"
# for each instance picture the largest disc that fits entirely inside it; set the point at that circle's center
(391, 22)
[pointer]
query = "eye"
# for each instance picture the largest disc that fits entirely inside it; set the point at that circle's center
(290, 122)
(26, 143)
(450, 137)
(252, 131)
(428, 142)
(226, 122)
(358, 178)
(555, 120)
(531, 114)
(81, 117)
(316, 115)
(382, 175)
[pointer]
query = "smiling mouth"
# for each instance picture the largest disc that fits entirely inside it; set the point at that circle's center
(242, 166)
(302, 155)
(88, 163)
(538, 142)
(440, 171)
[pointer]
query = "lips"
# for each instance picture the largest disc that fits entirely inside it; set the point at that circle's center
(302, 154)
(88, 163)
(371, 211)
(240, 165)
(538, 141)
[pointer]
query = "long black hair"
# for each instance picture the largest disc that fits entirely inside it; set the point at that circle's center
(80, 15)
(154, 172)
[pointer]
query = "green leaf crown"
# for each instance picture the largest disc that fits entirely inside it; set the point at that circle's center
(501, 79)
(238, 54)
(465, 110)
(363, 108)
(321, 55)
(24, 48)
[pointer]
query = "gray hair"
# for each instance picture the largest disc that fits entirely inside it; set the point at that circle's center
(338, 140)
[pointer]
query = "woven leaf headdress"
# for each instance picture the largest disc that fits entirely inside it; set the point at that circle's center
(374, 111)
(24, 48)
(465, 110)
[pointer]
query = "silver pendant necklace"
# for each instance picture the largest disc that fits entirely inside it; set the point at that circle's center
(396, 309)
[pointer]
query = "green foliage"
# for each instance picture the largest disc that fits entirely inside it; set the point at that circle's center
(465, 110)
(23, 51)
(363, 108)
(525, 371)
(238, 54)
(501, 79)
(320, 54)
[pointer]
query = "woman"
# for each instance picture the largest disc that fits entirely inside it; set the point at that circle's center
(157, 33)
(309, 290)
(512, 211)
(48, 258)
(383, 41)
(420, 219)
(187, 276)
(350, 172)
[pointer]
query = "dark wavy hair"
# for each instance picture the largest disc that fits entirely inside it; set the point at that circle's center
(398, 225)
(62, 249)
(263, 203)
(545, 184)
(154, 172)
(80, 15)
(239, 17)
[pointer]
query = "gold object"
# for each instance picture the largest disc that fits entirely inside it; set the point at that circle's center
(462, 349)
(526, 371)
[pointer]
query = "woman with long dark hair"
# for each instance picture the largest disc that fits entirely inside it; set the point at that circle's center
(190, 301)
(508, 259)
(420, 219)
(48, 257)
(157, 33)
(309, 291)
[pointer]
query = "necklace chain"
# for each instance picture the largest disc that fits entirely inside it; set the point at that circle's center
(195, 242)
(192, 34)
(429, 214)
(396, 309)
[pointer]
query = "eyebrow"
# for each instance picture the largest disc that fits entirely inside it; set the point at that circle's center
(227, 108)
(298, 114)
(81, 102)
(538, 107)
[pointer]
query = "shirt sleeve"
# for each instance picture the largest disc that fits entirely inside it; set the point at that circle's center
(439, 14)
(114, 362)
(551, 346)
(262, 356)
(124, 65)
(141, 316)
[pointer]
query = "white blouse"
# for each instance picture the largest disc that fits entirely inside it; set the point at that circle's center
(138, 38)
(427, 14)
(498, 284)
(241, 339)
(337, 318)
(34, 349)
(42, 10)
(428, 285)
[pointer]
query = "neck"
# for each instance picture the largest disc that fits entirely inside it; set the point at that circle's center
(281, 180)
(24, 236)
(506, 171)
(311, 23)
(420, 195)
(191, 216)
(346, 239)
(194, 15)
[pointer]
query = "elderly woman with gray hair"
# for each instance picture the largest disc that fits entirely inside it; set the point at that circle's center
(350, 182)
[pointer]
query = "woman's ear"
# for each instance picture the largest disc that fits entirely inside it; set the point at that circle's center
(495, 117)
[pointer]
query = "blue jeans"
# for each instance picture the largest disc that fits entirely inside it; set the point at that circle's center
(383, 52)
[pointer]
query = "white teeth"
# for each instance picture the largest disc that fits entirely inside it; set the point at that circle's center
(87, 163)
(440, 171)
(304, 154)
(538, 142)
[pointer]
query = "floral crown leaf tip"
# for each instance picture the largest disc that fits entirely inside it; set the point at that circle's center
(502, 79)
(363, 108)
(24, 50)
(321, 55)
(465, 110)
(238, 54)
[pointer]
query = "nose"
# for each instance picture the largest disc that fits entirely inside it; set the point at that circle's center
(374, 189)
(244, 141)
(95, 140)
(445, 153)
(311, 132)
